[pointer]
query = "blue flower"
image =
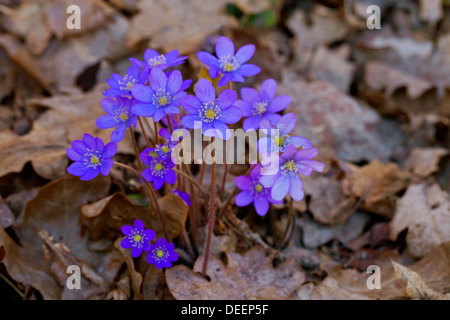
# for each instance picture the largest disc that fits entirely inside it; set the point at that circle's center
(254, 191)
(137, 238)
(121, 85)
(183, 195)
(163, 151)
(281, 139)
(162, 61)
(261, 105)
(162, 254)
(159, 170)
(118, 115)
(213, 116)
(231, 65)
(91, 156)
(161, 98)
(285, 177)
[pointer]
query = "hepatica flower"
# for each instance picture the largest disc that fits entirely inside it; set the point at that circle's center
(163, 151)
(232, 66)
(257, 106)
(121, 85)
(159, 170)
(91, 157)
(277, 140)
(183, 195)
(137, 238)
(118, 115)
(211, 115)
(254, 191)
(162, 97)
(162, 254)
(285, 178)
(162, 61)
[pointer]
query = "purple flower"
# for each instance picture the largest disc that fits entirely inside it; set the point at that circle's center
(254, 191)
(163, 151)
(281, 139)
(137, 238)
(118, 115)
(91, 156)
(159, 170)
(162, 254)
(211, 115)
(121, 85)
(261, 105)
(162, 61)
(231, 65)
(285, 178)
(161, 98)
(183, 195)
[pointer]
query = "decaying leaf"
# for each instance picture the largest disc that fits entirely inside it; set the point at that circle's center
(424, 161)
(425, 212)
(248, 276)
(328, 289)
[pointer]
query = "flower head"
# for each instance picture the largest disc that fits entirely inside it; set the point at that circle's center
(278, 141)
(162, 97)
(162, 61)
(91, 156)
(231, 65)
(183, 195)
(118, 115)
(285, 178)
(163, 151)
(257, 106)
(137, 238)
(162, 254)
(121, 85)
(159, 170)
(254, 191)
(213, 116)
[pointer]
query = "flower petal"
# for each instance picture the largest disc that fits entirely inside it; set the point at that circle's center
(158, 79)
(191, 104)
(205, 91)
(89, 141)
(245, 53)
(109, 105)
(268, 89)
(280, 187)
(248, 70)
(150, 234)
(158, 183)
(126, 244)
(77, 169)
(261, 206)
(106, 121)
(106, 166)
(300, 142)
(305, 154)
(126, 229)
(279, 103)
(191, 121)
(142, 93)
(245, 107)
(226, 98)
(207, 58)
(225, 79)
(243, 182)
(139, 225)
(118, 134)
(296, 188)
(231, 115)
(174, 82)
(251, 123)
(249, 95)
(144, 109)
(150, 53)
(110, 150)
(136, 251)
(170, 177)
(224, 47)
(90, 174)
(243, 199)
(73, 155)
(286, 123)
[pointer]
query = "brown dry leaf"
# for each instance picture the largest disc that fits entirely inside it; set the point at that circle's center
(415, 287)
(424, 161)
(244, 277)
(136, 277)
(328, 289)
(164, 23)
(425, 212)
(105, 217)
(253, 6)
(376, 183)
(6, 216)
(7, 74)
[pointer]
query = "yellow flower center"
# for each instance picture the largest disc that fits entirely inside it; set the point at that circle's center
(163, 101)
(137, 238)
(159, 166)
(94, 160)
(258, 187)
(124, 117)
(165, 149)
(228, 67)
(129, 85)
(278, 141)
(210, 114)
(159, 253)
(290, 166)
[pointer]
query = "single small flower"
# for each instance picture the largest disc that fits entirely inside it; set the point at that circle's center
(121, 85)
(118, 115)
(91, 157)
(183, 195)
(231, 65)
(211, 115)
(159, 170)
(162, 254)
(162, 97)
(281, 139)
(162, 61)
(254, 191)
(163, 151)
(285, 177)
(137, 238)
(257, 106)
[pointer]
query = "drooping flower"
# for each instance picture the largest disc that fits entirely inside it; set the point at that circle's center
(257, 106)
(121, 85)
(159, 170)
(161, 98)
(231, 65)
(118, 115)
(183, 195)
(162, 254)
(285, 178)
(211, 115)
(278, 141)
(254, 191)
(162, 61)
(137, 238)
(91, 157)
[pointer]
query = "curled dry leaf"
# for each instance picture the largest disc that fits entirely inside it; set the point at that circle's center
(425, 212)
(105, 217)
(375, 184)
(424, 161)
(136, 277)
(247, 276)
(6, 216)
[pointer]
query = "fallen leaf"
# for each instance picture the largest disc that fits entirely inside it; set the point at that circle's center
(248, 276)
(431, 11)
(253, 6)
(424, 161)
(6, 216)
(136, 277)
(328, 289)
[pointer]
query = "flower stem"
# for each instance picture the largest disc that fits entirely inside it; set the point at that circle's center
(144, 133)
(290, 224)
(197, 185)
(169, 124)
